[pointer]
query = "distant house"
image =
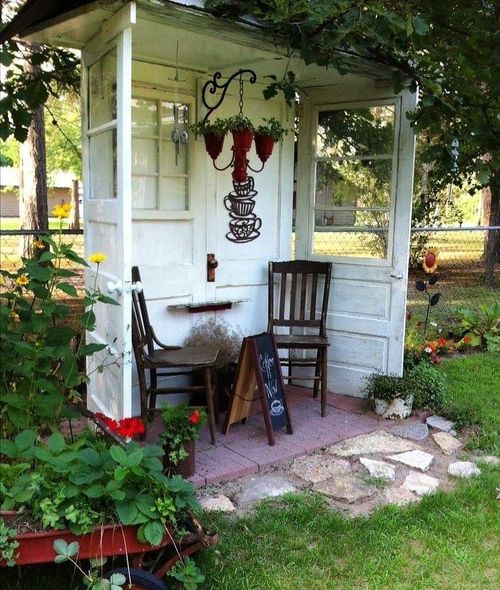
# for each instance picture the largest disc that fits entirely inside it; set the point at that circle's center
(60, 185)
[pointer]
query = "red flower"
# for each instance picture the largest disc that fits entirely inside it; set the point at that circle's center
(435, 360)
(195, 417)
(442, 342)
(127, 428)
(467, 339)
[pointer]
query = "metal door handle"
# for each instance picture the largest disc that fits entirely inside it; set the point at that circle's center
(118, 287)
(395, 276)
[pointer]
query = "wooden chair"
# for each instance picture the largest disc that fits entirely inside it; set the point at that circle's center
(178, 361)
(298, 312)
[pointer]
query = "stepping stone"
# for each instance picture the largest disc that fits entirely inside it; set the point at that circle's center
(267, 486)
(348, 489)
(463, 469)
(379, 469)
(447, 443)
(375, 442)
(414, 431)
(318, 468)
(439, 423)
(218, 503)
(400, 496)
(418, 459)
(420, 483)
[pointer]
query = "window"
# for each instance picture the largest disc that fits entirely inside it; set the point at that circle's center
(159, 165)
(102, 127)
(353, 181)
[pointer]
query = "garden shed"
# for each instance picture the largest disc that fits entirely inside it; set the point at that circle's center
(339, 190)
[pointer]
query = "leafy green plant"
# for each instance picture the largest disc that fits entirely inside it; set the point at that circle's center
(83, 484)
(428, 385)
(42, 356)
(238, 123)
(217, 127)
(8, 543)
(481, 325)
(386, 387)
(273, 128)
(182, 424)
(92, 578)
(432, 300)
(188, 573)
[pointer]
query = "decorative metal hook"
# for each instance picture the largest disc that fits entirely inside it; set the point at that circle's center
(213, 85)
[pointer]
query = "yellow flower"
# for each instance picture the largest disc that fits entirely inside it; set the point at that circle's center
(430, 261)
(22, 280)
(38, 244)
(14, 316)
(97, 257)
(61, 211)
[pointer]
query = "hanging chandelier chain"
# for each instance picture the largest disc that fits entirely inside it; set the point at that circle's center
(241, 95)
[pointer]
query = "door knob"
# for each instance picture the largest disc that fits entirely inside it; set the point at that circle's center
(212, 264)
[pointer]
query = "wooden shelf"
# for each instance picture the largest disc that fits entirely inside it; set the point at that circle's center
(204, 306)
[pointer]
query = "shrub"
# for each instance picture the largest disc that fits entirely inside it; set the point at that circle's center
(428, 386)
(387, 387)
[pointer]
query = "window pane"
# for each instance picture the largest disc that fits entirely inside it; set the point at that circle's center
(144, 192)
(173, 158)
(173, 196)
(103, 165)
(144, 156)
(353, 184)
(358, 244)
(102, 90)
(356, 132)
(144, 117)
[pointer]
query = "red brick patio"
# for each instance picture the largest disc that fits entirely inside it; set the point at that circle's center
(244, 450)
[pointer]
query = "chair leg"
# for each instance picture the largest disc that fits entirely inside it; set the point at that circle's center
(210, 402)
(152, 396)
(144, 400)
(290, 382)
(324, 380)
(317, 374)
(215, 386)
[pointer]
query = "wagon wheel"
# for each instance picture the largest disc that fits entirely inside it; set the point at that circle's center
(141, 580)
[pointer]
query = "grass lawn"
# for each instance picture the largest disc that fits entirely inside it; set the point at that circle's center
(13, 223)
(474, 397)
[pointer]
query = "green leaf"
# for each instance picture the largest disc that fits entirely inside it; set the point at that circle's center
(120, 473)
(154, 531)
(105, 299)
(25, 440)
(96, 491)
(60, 547)
(68, 288)
(73, 549)
(119, 454)
(127, 511)
(56, 442)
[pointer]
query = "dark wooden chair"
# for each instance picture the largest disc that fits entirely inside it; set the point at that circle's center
(301, 307)
(159, 360)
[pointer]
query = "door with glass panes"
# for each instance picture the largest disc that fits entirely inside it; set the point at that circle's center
(354, 209)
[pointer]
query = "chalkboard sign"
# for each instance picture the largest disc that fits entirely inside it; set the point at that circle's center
(259, 367)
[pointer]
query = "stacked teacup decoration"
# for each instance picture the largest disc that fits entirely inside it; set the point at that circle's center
(240, 203)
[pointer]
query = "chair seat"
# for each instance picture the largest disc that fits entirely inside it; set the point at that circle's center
(301, 341)
(191, 356)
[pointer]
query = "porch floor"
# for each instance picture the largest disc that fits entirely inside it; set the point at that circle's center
(245, 450)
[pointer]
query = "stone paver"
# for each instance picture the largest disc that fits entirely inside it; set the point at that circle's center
(439, 423)
(400, 496)
(348, 489)
(375, 442)
(318, 468)
(418, 459)
(412, 431)
(446, 442)
(218, 503)
(420, 483)
(266, 486)
(463, 469)
(379, 469)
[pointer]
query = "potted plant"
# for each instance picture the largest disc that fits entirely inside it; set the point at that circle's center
(213, 133)
(242, 129)
(391, 395)
(266, 136)
(182, 427)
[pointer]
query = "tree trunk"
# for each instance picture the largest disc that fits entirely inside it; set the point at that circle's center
(74, 222)
(492, 249)
(33, 206)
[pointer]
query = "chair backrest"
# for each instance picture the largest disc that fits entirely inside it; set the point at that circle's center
(142, 335)
(297, 306)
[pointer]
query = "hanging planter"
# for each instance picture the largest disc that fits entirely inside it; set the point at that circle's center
(213, 134)
(266, 136)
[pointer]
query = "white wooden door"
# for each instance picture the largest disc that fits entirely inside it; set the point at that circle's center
(106, 92)
(355, 181)
(242, 269)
